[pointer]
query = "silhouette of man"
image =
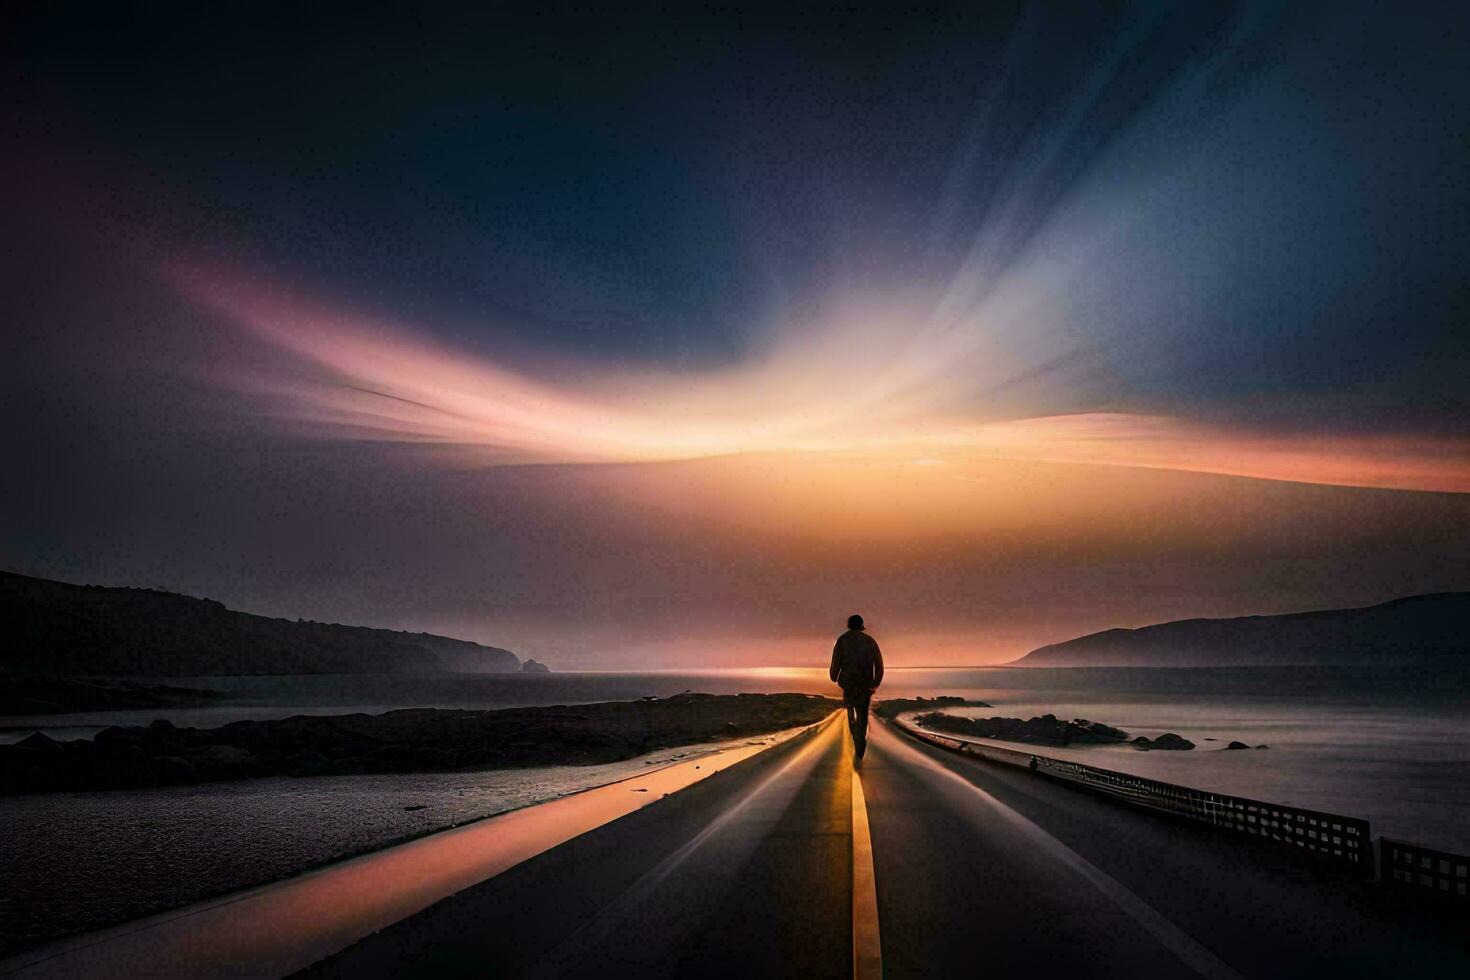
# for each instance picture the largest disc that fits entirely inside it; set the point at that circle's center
(857, 668)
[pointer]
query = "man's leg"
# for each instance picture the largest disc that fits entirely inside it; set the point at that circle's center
(859, 715)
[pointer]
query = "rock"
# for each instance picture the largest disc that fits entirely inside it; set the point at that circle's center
(308, 763)
(1236, 745)
(398, 758)
(893, 707)
(535, 667)
(41, 742)
(174, 769)
(1263, 746)
(419, 740)
(224, 762)
(116, 765)
(229, 755)
(115, 736)
(1096, 731)
(1045, 730)
(1170, 741)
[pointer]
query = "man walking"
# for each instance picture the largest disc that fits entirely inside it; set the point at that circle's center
(857, 668)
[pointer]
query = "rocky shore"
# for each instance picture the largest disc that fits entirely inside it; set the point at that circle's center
(1045, 730)
(1168, 742)
(891, 708)
(409, 740)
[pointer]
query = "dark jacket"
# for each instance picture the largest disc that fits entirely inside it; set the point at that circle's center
(857, 663)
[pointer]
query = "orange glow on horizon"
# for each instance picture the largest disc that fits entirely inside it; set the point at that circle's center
(367, 380)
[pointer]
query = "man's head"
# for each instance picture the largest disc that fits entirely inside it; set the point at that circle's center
(854, 622)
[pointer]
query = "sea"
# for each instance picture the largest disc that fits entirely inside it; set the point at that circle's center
(1389, 746)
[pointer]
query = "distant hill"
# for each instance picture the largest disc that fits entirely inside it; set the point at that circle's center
(1426, 629)
(57, 628)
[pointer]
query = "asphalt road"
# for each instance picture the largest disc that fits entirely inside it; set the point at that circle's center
(747, 873)
(984, 863)
(783, 863)
(978, 869)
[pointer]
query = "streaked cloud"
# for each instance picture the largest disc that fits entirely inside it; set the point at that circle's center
(900, 395)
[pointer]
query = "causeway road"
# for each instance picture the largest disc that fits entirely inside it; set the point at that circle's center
(799, 861)
(916, 863)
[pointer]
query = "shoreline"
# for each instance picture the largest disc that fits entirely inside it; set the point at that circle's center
(401, 741)
(228, 837)
(1329, 775)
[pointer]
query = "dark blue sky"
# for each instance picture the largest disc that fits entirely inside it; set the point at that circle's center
(651, 187)
(722, 230)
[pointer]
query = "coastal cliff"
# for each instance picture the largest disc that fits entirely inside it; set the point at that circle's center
(86, 630)
(1419, 630)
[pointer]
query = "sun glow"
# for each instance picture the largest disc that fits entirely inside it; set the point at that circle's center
(901, 398)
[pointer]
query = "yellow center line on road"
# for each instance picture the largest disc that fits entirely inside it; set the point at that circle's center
(867, 950)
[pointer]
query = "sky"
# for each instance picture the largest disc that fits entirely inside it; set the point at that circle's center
(670, 339)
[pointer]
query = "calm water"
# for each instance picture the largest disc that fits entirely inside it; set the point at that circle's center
(79, 861)
(1390, 747)
(1393, 747)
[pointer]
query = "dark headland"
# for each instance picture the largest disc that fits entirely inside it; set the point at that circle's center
(56, 628)
(1427, 630)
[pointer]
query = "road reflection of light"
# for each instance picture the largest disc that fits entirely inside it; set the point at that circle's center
(761, 804)
(987, 814)
(286, 926)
